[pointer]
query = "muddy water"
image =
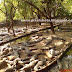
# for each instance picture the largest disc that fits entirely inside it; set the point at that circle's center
(20, 40)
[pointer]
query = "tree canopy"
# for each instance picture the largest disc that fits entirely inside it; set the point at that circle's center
(11, 10)
(36, 9)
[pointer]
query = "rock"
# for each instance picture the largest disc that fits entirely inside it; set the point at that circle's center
(1, 39)
(10, 49)
(48, 42)
(66, 43)
(5, 58)
(49, 38)
(58, 43)
(9, 63)
(58, 38)
(5, 52)
(35, 38)
(19, 65)
(9, 70)
(40, 35)
(30, 65)
(42, 43)
(23, 71)
(57, 52)
(3, 64)
(50, 53)
(4, 33)
(40, 63)
(33, 57)
(11, 58)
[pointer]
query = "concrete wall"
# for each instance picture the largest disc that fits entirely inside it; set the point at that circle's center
(18, 23)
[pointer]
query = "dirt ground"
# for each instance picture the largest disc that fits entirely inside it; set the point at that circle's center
(32, 52)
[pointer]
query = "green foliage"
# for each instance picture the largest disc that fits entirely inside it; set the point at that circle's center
(59, 9)
(63, 11)
(2, 16)
(56, 28)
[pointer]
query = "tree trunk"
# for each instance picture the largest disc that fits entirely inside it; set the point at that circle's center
(11, 25)
(52, 28)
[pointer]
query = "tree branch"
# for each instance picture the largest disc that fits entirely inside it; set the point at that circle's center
(2, 11)
(36, 8)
